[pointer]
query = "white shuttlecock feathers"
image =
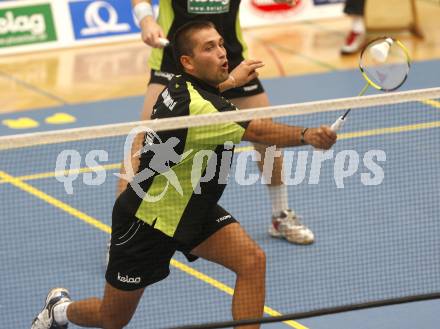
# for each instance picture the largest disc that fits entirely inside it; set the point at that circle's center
(381, 50)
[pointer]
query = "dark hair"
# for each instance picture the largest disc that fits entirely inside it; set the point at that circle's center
(182, 41)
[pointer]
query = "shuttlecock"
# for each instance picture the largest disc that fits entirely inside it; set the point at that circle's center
(164, 42)
(380, 51)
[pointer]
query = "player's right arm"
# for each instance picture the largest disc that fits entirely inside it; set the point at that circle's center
(265, 131)
(150, 30)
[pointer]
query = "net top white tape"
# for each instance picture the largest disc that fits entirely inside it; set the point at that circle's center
(93, 132)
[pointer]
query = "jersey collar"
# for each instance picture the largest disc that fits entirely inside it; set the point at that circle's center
(201, 83)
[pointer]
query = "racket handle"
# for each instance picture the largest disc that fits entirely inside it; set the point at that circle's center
(338, 124)
(164, 42)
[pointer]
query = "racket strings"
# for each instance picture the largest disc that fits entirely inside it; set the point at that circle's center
(384, 65)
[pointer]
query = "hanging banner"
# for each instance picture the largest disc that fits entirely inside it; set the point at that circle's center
(255, 13)
(26, 25)
(32, 25)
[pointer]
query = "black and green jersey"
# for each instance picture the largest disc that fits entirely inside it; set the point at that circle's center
(223, 13)
(175, 199)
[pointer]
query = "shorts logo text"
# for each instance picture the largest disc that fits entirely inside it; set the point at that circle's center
(126, 279)
(221, 219)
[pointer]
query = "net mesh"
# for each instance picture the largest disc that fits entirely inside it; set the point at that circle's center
(372, 203)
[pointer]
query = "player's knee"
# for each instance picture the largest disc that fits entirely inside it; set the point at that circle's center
(253, 262)
(260, 260)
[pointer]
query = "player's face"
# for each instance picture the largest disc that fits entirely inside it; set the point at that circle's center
(209, 62)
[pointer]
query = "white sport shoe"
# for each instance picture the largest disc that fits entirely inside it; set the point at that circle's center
(288, 226)
(45, 320)
(353, 43)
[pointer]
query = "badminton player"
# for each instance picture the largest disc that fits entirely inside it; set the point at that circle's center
(145, 235)
(243, 88)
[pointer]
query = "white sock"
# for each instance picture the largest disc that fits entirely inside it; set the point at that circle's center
(60, 313)
(358, 24)
(279, 196)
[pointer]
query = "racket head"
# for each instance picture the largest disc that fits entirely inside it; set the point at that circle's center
(385, 63)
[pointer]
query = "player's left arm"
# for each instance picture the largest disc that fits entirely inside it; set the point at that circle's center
(246, 71)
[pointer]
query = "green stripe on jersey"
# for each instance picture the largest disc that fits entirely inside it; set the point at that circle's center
(200, 142)
(168, 210)
(216, 134)
(240, 38)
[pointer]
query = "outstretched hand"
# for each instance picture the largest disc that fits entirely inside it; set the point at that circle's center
(321, 138)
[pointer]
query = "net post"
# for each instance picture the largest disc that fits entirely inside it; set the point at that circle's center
(415, 26)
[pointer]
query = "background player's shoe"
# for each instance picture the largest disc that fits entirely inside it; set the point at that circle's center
(288, 226)
(45, 320)
(353, 43)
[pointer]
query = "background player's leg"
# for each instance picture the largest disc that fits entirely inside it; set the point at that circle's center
(261, 100)
(233, 248)
(151, 95)
(356, 37)
(285, 222)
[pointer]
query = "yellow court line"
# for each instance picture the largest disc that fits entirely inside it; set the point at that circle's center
(357, 134)
(103, 227)
(390, 130)
(432, 103)
(70, 172)
(67, 172)
(228, 290)
(54, 202)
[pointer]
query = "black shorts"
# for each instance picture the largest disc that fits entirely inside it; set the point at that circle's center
(140, 255)
(252, 88)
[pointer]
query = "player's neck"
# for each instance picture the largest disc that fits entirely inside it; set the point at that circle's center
(202, 83)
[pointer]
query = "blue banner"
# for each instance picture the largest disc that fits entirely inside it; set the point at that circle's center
(101, 18)
(326, 2)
